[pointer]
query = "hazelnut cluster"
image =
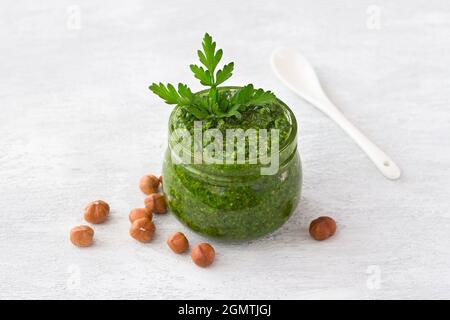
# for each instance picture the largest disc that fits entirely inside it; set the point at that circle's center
(95, 212)
(143, 229)
(202, 254)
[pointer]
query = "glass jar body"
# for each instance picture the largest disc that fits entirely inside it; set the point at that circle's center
(241, 208)
(233, 201)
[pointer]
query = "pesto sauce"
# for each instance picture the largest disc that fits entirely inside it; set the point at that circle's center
(272, 116)
(235, 202)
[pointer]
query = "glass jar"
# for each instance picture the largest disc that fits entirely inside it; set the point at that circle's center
(234, 201)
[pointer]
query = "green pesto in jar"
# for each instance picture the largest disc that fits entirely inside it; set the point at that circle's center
(270, 116)
(234, 201)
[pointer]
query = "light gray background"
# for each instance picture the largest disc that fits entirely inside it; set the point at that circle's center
(78, 123)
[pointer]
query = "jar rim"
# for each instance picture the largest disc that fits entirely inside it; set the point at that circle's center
(288, 147)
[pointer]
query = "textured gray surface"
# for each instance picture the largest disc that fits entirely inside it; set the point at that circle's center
(77, 123)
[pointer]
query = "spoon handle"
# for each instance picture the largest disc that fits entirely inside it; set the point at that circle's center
(381, 160)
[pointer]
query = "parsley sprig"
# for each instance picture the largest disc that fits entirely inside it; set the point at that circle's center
(214, 104)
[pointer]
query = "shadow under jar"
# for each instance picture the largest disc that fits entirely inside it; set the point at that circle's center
(235, 202)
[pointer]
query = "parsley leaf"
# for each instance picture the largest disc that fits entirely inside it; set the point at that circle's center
(261, 97)
(214, 104)
(169, 94)
(249, 96)
(225, 73)
(203, 75)
(209, 57)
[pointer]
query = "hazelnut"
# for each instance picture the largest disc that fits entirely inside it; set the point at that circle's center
(81, 236)
(156, 203)
(203, 254)
(139, 213)
(142, 230)
(178, 242)
(322, 228)
(149, 184)
(96, 211)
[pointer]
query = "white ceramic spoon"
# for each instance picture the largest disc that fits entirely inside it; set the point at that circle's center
(298, 75)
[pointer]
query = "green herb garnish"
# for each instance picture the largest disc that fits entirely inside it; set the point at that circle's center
(213, 104)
